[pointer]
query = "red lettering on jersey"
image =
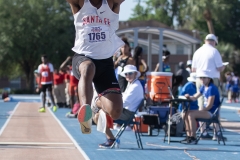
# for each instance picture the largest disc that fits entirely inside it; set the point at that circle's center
(84, 21)
(95, 19)
(92, 19)
(106, 21)
(88, 19)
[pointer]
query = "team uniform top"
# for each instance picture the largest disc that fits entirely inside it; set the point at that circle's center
(95, 31)
(45, 70)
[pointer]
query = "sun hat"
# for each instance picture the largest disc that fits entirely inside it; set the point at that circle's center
(192, 78)
(204, 73)
(189, 62)
(130, 68)
(211, 37)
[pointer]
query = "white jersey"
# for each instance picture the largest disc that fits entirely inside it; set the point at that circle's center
(95, 31)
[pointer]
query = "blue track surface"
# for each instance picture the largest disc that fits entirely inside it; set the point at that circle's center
(154, 148)
(5, 108)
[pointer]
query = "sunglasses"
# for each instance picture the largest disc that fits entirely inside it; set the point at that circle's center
(129, 73)
(203, 77)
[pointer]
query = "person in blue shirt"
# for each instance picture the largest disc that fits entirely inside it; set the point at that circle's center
(165, 64)
(211, 103)
(190, 88)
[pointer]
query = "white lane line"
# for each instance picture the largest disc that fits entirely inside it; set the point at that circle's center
(70, 136)
(230, 107)
(41, 147)
(33, 143)
(6, 123)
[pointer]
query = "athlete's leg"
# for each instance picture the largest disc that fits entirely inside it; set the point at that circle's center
(112, 104)
(51, 94)
(43, 89)
(85, 89)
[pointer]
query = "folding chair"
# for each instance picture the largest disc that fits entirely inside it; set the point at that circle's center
(213, 119)
(128, 122)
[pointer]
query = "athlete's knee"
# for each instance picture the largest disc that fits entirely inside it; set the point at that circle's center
(116, 112)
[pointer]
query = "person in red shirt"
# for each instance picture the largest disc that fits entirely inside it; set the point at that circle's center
(59, 88)
(67, 80)
(45, 71)
(73, 83)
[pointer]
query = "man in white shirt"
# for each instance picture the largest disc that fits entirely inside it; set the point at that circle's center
(208, 58)
(132, 97)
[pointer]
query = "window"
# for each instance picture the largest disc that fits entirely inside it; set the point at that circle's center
(180, 49)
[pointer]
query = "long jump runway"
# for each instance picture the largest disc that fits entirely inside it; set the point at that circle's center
(29, 135)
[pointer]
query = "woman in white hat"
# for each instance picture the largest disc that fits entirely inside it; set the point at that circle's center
(190, 88)
(132, 96)
(211, 102)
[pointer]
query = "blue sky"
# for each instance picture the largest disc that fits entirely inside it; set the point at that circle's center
(126, 9)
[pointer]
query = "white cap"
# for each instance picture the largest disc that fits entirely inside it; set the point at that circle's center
(204, 73)
(211, 37)
(130, 68)
(193, 77)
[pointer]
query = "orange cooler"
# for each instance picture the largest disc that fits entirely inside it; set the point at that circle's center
(143, 127)
(157, 86)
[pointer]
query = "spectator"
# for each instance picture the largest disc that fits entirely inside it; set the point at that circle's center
(235, 88)
(177, 81)
(59, 88)
(183, 72)
(165, 66)
(6, 97)
(45, 71)
(207, 57)
(141, 65)
(131, 98)
(124, 59)
(189, 66)
(67, 81)
(190, 88)
(73, 83)
(211, 102)
(228, 87)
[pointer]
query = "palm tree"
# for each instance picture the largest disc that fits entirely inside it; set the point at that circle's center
(208, 9)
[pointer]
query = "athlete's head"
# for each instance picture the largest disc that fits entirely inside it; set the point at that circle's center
(44, 59)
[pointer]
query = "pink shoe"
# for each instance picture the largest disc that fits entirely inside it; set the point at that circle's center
(229, 101)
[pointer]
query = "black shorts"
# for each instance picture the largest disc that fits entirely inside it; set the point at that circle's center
(46, 87)
(104, 77)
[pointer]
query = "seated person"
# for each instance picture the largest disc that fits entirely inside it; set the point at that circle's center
(6, 97)
(211, 102)
(190, 88)
(132, 96)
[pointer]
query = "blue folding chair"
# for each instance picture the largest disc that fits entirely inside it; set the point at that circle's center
(213, 119)
(128, 122)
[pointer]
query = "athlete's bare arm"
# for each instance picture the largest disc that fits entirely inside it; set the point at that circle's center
(76, 5)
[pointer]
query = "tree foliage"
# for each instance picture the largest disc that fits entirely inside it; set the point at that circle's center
(29, 29)
(164, 11)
